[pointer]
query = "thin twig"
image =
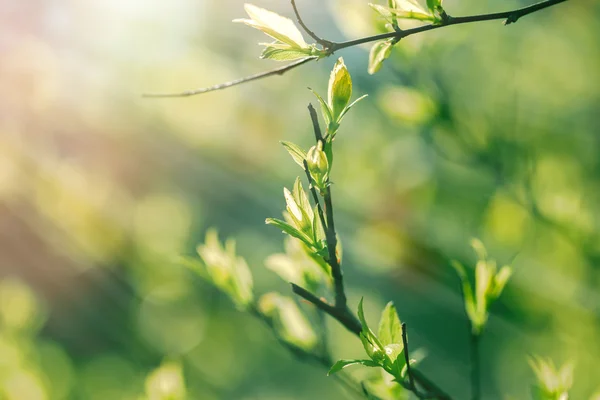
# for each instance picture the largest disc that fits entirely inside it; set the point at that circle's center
(266, 74)
(325, 43)
(509, 17)
(313, 191)
(411, 381)
(336, 268)
(345, 317)
(475, 367)
(315, 121)
(303, 355)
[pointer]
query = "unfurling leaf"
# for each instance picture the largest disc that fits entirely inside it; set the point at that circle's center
(289, 322)
(434, 5)
(390, 327)
(290, 230)
(296, 152)
(284, 54)
(341, 364)
(279, 28)
(340, 89)
(489, 284)
(552, 383)
(406, 9)
(379, 53)
(289, 43)
(225, 270)
(318, 166)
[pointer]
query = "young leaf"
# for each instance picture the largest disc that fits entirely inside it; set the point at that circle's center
(296, 152)
(299, 217)
(302, 200)
(290, 230)
(318, 166)
(368, 334)
(325, 110)
(350, 106)
(290, 323)
(340, 89)
(279, 28)
(406, 9)
(433, 5)
(390, 328)
(341, 364)
(378, 54)
(283, 54)
(500, 281)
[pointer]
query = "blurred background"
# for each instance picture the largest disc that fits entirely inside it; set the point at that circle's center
(472, 131)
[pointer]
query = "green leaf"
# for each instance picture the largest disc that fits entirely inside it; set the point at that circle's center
(225, 270)
(290, 230)
(297, 215)
(483, 282)
(433, 5)
(406, 9)
(390, 327)
(341, 364)
(467, 292)
(284, 54)
(368, 334)
(325, 109)
(500, 281)
(479, 249)
(340, 89)
(302, 200)
(379, 53)
(289, 322)
(296, 152)
(350, 106)
(279, 28)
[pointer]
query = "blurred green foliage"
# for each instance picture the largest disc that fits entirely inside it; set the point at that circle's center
(473, 131)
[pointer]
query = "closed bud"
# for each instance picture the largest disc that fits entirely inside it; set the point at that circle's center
(318, 166)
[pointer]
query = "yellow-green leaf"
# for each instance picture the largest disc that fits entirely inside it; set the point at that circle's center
(340, 89)
(378, 54)
(274, 25)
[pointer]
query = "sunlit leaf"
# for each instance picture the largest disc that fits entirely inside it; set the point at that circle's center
(500, 281)
(433, 5)
(340, 89)
(325, 109)
(341, 364)
(406, 9)
(280, 28)
(390, 327)
(380, 51)
(350, 106)
(302, 199)
(290, 323)
(296, 152)
(282, 54)
(290, 230)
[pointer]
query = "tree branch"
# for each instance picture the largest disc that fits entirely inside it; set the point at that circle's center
(345, 317)
(315, 121)
(509, 16)
(411, 380)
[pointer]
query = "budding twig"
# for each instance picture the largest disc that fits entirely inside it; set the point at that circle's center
(509, 17)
